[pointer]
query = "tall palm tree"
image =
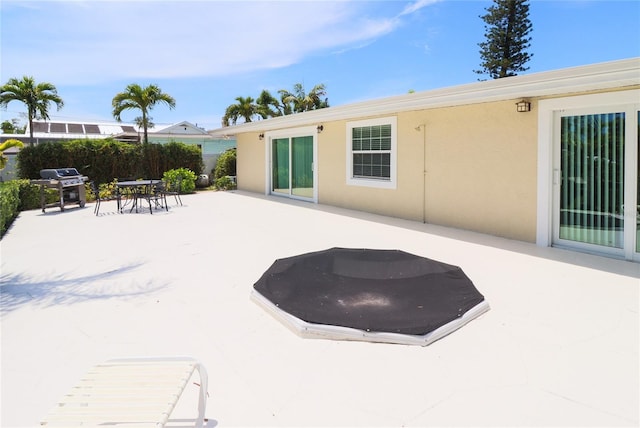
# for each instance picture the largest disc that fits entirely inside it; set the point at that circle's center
(35, 96)
(298, 101)
(287, 101)
(245, 108)
(268, 105)
(143, 99)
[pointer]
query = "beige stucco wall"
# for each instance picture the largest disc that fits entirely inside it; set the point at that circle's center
(250, 162)
(482, 169)
(471, 167)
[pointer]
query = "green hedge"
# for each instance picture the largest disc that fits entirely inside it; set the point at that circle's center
(105, 160)
(9, 201)
(20, 195)
(29, 195)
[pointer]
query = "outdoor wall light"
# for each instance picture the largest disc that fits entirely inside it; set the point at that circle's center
(320, 128)
(261, 137)
(523, 106)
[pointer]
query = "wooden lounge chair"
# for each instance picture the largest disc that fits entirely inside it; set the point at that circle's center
(140, 392)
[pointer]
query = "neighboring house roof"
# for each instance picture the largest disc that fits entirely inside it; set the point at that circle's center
(608, 75)
(69, 130)
(182, 128)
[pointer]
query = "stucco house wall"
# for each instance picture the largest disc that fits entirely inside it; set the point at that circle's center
(471, 167)
(481, 169)
(250, 162)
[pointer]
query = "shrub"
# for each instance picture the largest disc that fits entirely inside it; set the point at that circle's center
(20, 195)
(188, 179)
(225, 165)
(225, 183)
(9, 201)
(29, 195)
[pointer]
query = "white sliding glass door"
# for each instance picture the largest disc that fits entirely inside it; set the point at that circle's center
(292, 163)
(596, 180)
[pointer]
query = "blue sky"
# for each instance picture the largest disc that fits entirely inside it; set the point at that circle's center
(206, 53)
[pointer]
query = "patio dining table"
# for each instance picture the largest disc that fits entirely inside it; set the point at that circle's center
(131, 191)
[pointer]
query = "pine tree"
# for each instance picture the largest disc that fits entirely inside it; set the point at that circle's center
(507, 26)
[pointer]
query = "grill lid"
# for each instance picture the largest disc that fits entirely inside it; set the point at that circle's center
(55, 174)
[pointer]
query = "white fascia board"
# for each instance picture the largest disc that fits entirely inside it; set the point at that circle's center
(609, 75)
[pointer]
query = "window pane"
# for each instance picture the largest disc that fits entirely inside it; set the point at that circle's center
(385, 144)
(302, 166)
(280, 169)
(370, 165)
(371, 138)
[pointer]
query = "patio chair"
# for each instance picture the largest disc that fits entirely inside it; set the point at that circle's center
(95, 189)
(173, 188)
(151, 191)
(129, 392)
(157, 196)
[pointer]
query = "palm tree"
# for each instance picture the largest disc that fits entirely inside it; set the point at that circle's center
(143, 99)
(12, 142)
(268, 105)
(245, 108)
(298, 101)
(287, 99)
(35, 96)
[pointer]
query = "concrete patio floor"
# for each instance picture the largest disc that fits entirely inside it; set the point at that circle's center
(559, 346)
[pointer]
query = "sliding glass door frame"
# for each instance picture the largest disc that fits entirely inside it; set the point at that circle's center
(550, 166)
(291, 135)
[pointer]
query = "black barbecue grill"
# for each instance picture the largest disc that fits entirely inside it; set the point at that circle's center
(70, 185)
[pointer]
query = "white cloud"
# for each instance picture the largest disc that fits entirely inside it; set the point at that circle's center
(85, 42)
(414, 7)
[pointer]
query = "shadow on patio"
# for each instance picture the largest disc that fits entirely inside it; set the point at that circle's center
(19, 289)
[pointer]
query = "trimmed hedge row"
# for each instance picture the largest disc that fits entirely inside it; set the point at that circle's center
(105, 160)
(9, 201)
(20, 195)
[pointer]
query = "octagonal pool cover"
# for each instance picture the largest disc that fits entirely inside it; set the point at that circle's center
(372, 295)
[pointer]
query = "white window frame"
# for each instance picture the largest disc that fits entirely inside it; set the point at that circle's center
(373, 182)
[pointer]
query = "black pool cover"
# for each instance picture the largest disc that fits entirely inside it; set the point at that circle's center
(370, 290)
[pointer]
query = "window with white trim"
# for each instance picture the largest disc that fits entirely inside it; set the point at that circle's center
(371, 152)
